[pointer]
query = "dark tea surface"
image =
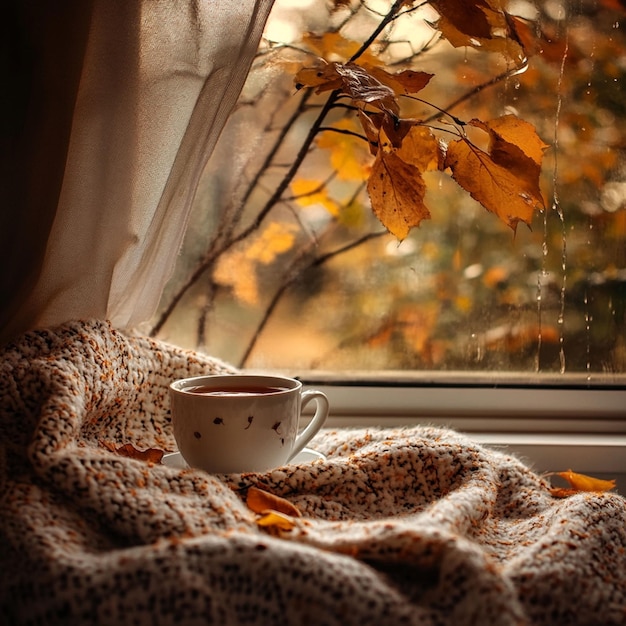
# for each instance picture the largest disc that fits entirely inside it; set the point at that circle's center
(248, 390)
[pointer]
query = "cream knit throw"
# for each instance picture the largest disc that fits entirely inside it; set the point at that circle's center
(405, 526)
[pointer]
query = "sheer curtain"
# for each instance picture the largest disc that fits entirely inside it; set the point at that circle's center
(114, 108)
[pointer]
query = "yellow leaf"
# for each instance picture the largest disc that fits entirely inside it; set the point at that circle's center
(237, 269)
(308, 193)
(421, 148)
(238, 272)
(352, 213)
(273, 520)
(396, 191)
(323, 78)
(276, 239)
(333, 45)
(349, 156)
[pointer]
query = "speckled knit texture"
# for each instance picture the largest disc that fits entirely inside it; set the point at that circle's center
(400, 526)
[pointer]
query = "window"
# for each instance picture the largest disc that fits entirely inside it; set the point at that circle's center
(286, 267)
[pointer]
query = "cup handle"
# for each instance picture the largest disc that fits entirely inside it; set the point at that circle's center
(321, 413)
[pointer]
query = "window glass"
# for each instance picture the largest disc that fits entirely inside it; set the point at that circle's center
(285, 265)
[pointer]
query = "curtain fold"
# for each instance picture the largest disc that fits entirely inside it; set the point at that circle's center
(157, 83)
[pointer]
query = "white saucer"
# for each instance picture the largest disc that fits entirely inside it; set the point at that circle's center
(175, 459)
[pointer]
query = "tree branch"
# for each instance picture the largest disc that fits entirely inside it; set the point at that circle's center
(292, 278)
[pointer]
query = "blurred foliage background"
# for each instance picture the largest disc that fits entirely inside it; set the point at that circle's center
(309, 279)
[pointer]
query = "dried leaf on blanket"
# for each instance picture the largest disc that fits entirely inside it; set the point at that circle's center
(150, 455)
(276, 521)
(261, 501)
(578, 483)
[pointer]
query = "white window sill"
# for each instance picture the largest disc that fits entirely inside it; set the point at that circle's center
(550, 429)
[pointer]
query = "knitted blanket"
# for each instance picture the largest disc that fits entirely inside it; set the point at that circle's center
(397, 526)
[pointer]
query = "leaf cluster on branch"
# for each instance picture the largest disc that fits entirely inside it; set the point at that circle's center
(504, 177)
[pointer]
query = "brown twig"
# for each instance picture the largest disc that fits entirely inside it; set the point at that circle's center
(292, 278)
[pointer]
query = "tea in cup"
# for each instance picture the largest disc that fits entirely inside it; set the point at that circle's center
(241, 422)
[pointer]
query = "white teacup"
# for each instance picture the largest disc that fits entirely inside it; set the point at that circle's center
(242, 423)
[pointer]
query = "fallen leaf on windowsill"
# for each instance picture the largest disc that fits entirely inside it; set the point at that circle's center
(150, 455)
(579, 483)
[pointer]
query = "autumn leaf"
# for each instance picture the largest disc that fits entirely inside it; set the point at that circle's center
(578, 483)
(150, 455)
(362, 87)
(404, 82)
(480, 24)
(552, 48)
(366, 84)
(395, 129)
(396, 187)
(276, 239)
(494, 186)
(275, 513)
(516, 145)
(421, 148)
(237, 269)
(396, 190)
(274, 520)
(505, 180)
(349, 155)
(351, 80)
(260, 501)
(333, 45)
(323, 78)
(309, 192)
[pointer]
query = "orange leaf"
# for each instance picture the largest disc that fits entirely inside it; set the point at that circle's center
(468, 18)
(495, 187)
(396, 189)
(421, 148)
(481, 24)
(150, 455)
(261, 501)
(514, 143)
(405, 82)
(560, 492)
(324, 78)
(504, 180)
(580, 482)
